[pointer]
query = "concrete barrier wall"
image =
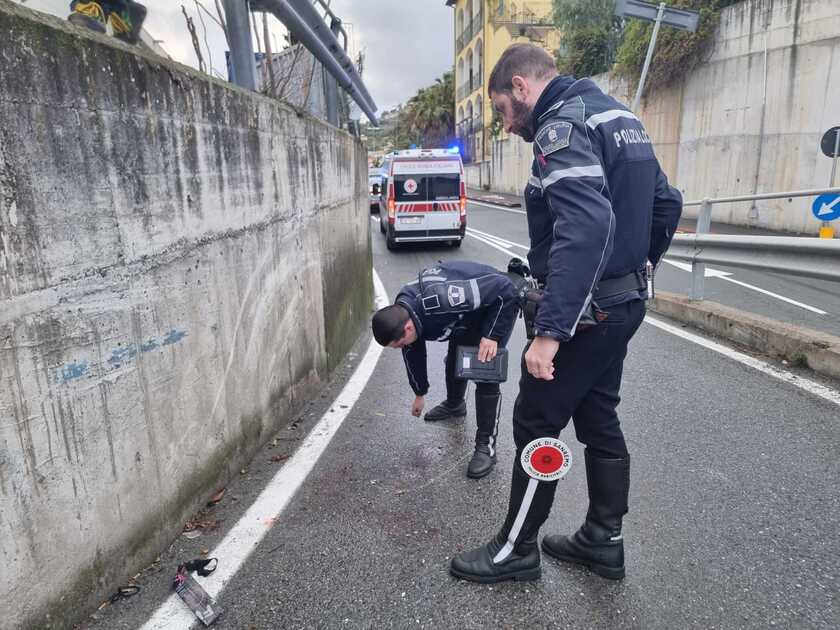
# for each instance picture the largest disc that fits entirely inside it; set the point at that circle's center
(717, 134)
(181, 264)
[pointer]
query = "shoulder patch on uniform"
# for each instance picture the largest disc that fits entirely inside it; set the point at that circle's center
(456, 295)
(553, 137)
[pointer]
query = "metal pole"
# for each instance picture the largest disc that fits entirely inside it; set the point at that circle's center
(272, 80)
(649, 56)
(836, 153)
(331, 87)
(698, 270)
(241, 47)
(826, 231)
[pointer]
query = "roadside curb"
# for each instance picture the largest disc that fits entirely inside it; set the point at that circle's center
(497, 200)
(799, 346)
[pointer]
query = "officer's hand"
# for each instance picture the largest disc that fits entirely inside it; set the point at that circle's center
(540, 358)
(417, 406)
(487, 349)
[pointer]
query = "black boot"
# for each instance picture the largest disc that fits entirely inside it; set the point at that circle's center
(598, 544)
(513, 553)
(487, 418)
(447, 409)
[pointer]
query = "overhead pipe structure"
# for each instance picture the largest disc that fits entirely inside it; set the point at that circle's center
(307, 11)
(336, 62)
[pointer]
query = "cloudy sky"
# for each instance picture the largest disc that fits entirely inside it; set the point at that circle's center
(407, 43)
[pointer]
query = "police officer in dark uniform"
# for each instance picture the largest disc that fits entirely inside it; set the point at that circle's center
(599, 207)
(466, 304)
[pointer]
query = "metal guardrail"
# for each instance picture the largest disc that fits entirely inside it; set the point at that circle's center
(801, 256)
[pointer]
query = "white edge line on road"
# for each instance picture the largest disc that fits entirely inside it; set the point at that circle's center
(808, 385)
(495, 207)
(247, 533)
(493, 244)
(725, 275)
(813, 309)
(501, 241)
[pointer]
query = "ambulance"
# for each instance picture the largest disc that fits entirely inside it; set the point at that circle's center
(423, 197)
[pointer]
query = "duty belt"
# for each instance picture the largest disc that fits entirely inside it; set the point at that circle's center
(612, 287)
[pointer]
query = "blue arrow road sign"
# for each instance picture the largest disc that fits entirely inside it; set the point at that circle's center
(827, 207)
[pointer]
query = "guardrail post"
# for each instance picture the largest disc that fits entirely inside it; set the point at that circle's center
(698, 270)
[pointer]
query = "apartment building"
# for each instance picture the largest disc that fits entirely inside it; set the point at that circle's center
(483, 29)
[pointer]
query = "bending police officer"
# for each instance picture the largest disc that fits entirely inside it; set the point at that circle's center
(598, 206)
(466, 304)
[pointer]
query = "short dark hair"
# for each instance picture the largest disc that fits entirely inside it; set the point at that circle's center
(388, 324)
(523, 59)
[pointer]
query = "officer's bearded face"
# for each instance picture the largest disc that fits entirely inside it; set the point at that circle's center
(516, 115)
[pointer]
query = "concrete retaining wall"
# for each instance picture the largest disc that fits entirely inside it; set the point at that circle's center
(717, 135)
(181, 263)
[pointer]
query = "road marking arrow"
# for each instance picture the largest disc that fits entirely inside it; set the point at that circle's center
(725, 275)
(828, 208)
(710, 273)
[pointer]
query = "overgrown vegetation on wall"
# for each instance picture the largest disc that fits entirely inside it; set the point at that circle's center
(591, 36)
(595, 41)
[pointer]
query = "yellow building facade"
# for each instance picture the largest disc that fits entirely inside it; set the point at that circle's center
(483, 30)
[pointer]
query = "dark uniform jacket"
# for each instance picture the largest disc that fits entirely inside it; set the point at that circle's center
(451, 297)
(598, 203)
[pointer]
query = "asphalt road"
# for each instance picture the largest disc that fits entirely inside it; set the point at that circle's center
(733, 518)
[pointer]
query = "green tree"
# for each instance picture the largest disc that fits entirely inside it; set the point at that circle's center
(429, 117)
(591, 34)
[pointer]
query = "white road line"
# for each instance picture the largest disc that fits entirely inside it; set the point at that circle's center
(247, 533)
(493, 244)
(813, 309)
(501, 241)
(808, 385)
(495, 207)
(725, 275)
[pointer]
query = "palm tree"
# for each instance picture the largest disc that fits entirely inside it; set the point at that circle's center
(429, 116)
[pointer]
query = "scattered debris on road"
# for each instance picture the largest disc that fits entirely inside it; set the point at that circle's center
(216, 497)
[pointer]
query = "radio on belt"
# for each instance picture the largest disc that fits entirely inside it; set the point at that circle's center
(468, 367)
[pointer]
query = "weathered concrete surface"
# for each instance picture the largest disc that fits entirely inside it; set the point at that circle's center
(717, 136)
(800, 346)
(181, 263)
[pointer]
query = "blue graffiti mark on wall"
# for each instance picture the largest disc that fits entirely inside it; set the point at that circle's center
(118, 355)
(150, 345)
(173, 336)
(73, 370)
(121, 355)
